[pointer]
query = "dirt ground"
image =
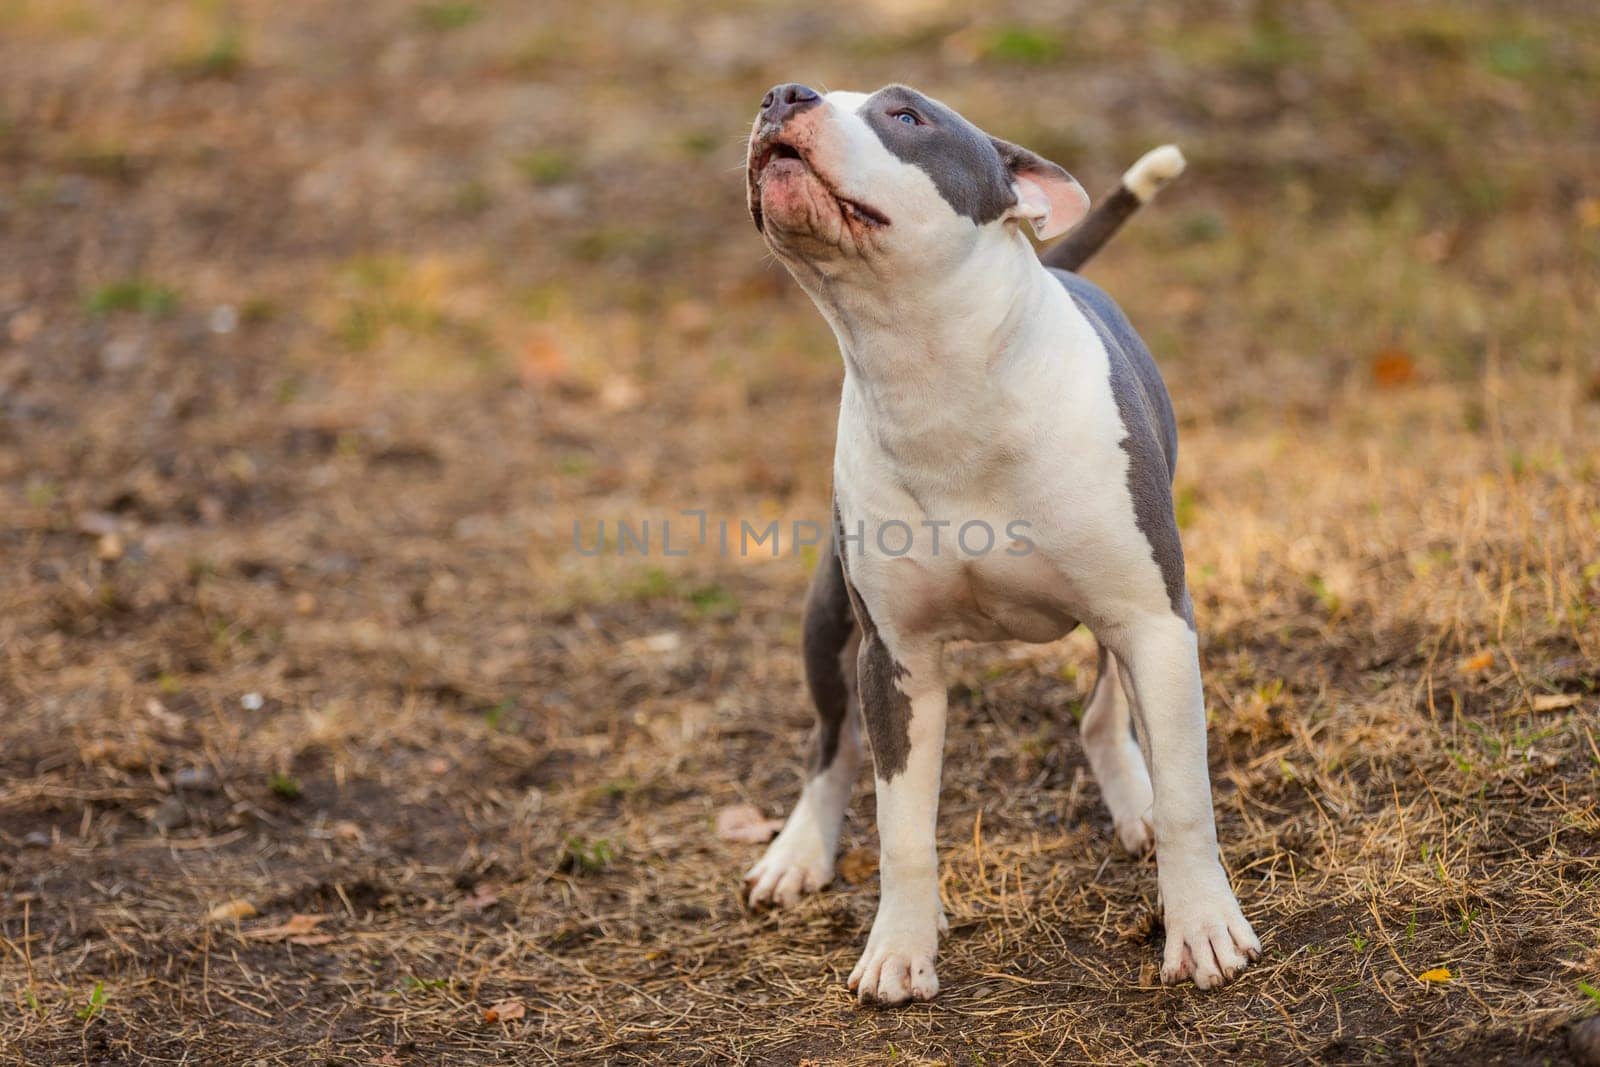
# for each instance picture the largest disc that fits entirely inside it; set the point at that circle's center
(321, 325)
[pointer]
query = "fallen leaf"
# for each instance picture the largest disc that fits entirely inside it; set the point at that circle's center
(666, 641)
(480, 898)
(386, 1060)
(505, 1011)
(744, 824)
(542, 360)
(857, 865)
(111, 547)
(98, 523)
(1393, 366)
(691, 317)
(1434, 246)
(1437, 976)
(158, 711)
(25, 324)
(1480, 662)
(194, 779)
(1139, 927)
(171, 815)
(296, 926)
(619, 393)
(312, 939)
(233, 910)
(1556, 701)
(1183, 300)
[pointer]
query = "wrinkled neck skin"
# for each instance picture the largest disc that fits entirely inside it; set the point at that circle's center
(929, 359)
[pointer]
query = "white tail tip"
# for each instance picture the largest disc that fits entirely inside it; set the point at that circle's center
(1154, 169)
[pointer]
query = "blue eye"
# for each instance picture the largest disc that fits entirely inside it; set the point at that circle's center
(908, 118)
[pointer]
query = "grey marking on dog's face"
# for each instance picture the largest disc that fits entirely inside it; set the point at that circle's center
(973, 171)
(964, 162)
(1151, 441)
(829, 622)
(884, 705)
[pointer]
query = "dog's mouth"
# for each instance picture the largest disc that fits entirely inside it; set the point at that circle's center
(777, 150)
(775, 158)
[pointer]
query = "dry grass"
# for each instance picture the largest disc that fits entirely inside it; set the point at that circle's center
(289, 613)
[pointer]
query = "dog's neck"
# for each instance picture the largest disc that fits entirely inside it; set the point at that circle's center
(928, 366)
(949, 328)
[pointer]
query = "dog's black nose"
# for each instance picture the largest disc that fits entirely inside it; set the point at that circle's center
(784, 101)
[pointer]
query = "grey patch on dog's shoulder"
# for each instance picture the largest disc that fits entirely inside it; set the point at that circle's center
(885, 708)
(829, 622)
(964, 162)
(1152, 433)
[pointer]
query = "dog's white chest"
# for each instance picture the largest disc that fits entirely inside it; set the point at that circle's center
(983, 510)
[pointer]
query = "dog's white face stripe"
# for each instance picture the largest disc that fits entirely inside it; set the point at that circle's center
(845, 100)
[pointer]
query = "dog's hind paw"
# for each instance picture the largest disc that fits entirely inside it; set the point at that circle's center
(796, 863)
(1137, 834)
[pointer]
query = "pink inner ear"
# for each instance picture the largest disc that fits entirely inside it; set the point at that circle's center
(1053, 202)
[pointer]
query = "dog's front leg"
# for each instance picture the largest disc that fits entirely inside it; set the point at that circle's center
(1208, 937)
(903, 699)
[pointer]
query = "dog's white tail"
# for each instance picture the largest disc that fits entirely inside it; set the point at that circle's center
(1155, 168)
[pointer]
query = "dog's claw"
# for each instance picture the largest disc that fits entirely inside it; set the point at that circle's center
(1209, 941)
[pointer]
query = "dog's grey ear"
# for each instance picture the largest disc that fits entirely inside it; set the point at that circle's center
(1047, 196)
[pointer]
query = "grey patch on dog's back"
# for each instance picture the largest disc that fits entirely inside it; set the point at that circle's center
(961, 159)
(1152, 432)
(884, 705)
(829, 622)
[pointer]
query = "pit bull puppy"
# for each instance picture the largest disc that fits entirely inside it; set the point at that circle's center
(1003, 470)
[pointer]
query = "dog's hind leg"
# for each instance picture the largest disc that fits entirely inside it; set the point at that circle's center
(801, 859)
(1115, 758)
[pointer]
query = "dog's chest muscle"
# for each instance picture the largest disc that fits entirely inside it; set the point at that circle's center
(998, 595)
(974, 476)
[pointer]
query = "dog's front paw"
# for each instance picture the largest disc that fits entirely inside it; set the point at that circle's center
(799, 861)
(897, 965)
(1208, 937)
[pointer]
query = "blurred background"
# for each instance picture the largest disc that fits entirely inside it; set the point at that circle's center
(322, 324)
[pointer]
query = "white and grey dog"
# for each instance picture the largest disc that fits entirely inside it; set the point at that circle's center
(983, 391)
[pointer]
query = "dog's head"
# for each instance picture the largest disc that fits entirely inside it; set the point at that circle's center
(894, 176)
